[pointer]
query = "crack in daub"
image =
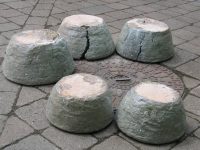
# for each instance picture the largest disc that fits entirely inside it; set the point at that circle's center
(140, 48)
(87, 42)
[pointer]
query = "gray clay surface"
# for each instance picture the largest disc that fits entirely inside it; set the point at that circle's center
(150, 121)
(76, 112)
(37, 57)
(144, 44)
(87, 41)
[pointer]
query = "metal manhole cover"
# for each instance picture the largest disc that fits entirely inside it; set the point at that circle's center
(122, 74)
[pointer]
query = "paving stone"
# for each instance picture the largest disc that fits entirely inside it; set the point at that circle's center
(192, 104)
(179, 10)
(192, 29)
(197, 133)
(19, 4)
(46, 1)
(194, 15)
(2, 122)
(83, 4)
(40, 13)
(175, 24)
(7, 85)
(96, 2)
(34, 114)
(8, 26)
(114, 143)
(157, 16)
(66, 6)
(179, 58)
(111, 1)
(195, 41)
(190, 47)
(143, 146)
(95, 10)
(36, 21)
(144, 8)
(14, 129)
(2, 50)
(53, 21)
(7, 100)
(2, 6)
(169, 13)
(1, 60)
(197, 24)
(33, 142)
(185, 18)
(108, 131)
(113, 30)
(190, 82)
(29, 94)
(57, 10)
(196, 91)
(156, 7)
(3, 40)
(191, 143)
(60, 16)
(166, 3)
(26, 10)
(20, 20)
(69, 141)
(46, 88)
(117, 6)
(184, 34)
(33, 27)
(132, 11)
(9, 34)
(9, 13)
(118, 15)
(192, 125)
(197, 60)
(107, 18)
(3, 1)
(2, 20)
(190, 68)
(177, 40)
(195, 3)
(188, 7)
(118, 24)
(133, 2)
(44, 6)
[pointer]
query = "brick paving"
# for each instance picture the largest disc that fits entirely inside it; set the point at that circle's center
(22, 121)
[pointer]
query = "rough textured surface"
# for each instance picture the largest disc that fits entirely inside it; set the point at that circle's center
(145, 40)
(80, 103)
(37, 57)
(150, 121)
(88, 37)
(180, 15)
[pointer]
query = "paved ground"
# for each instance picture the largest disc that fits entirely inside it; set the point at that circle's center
(22, 121)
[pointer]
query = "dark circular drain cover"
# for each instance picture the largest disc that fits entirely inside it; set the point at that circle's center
(122, 74)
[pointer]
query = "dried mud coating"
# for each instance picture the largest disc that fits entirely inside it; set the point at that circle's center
(122, 74)
(37, 57)
(80, 103)
(145, 40)
(152, 113)
(87, 37)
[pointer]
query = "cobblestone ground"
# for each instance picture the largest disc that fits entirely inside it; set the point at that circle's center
(22, 121)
